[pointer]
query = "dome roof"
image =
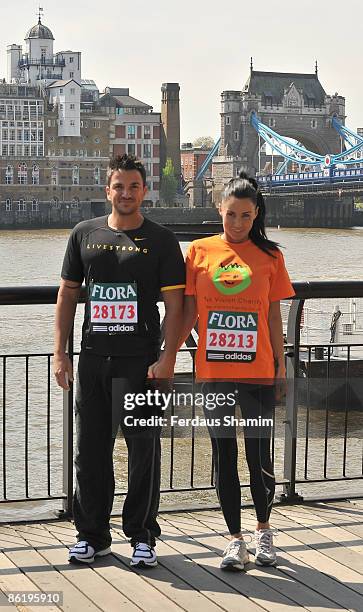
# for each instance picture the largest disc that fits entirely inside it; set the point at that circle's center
(39, 31)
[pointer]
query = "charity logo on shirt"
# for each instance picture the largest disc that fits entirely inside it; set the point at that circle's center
(232, 278)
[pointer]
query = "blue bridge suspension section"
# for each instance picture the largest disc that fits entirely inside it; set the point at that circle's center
(298, 154)
(207, 161)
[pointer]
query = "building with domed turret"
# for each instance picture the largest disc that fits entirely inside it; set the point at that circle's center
(57, 134)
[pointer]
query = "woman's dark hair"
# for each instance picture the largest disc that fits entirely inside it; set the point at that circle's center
(244, 186)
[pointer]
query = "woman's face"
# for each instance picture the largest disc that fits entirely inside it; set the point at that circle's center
(238, 215)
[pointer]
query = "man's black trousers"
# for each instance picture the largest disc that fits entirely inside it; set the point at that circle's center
(95, 423)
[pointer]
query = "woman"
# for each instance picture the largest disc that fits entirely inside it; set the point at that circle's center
(234, 285)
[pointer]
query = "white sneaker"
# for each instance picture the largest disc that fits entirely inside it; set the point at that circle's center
(265, 551)
(82, 552)
(143, 555)
(235, 556)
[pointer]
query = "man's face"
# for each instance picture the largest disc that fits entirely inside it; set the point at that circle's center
(126, 191)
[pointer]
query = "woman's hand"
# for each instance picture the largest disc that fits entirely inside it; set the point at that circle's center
(280, 383)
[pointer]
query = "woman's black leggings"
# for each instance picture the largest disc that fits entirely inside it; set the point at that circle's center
(255, 401)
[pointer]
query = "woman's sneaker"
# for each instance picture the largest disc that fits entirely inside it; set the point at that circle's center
(82, 552)
(265, 551)
(235, 556)
(143, 555)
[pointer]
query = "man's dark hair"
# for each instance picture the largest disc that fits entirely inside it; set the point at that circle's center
(245, 186)
(125, 162)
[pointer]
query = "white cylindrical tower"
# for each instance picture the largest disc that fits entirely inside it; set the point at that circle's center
(13, 56)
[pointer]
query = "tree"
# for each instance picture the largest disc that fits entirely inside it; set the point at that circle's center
(206, 142)
(169, 183)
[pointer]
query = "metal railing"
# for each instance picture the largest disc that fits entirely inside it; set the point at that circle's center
(310, 391)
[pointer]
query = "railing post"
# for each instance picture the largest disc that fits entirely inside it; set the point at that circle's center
(68, 439)
(293, 358)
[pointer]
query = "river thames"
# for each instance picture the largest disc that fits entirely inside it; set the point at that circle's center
(34, 257)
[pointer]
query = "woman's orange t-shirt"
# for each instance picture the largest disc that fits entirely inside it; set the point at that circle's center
(234, 284)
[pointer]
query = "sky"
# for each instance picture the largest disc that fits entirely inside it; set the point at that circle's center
(205, 49)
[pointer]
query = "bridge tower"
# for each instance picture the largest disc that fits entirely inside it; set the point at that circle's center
(293, 104)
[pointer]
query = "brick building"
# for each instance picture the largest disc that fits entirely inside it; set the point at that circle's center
(57, 134)
(192, 159)
(135, 129)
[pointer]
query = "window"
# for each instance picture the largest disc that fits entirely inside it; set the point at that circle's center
(72, 123)
(71, 75)
(54, 176)
(272, 122)
(131, 149)
(147, 166)
(314, 123)
(147, 131)
(97, 175)
(236, 135)
(75, 203)
(43, 53)
(96, 124)
(61, 107)
(73, 91)
(61, 90)
(35, 175)
(61, 122)
(55, 203)
(22, 174)
(84, 124)
(8, 205)
(131, 132)
(21, 206)
(35, 206)
(72, 106)
(75, 175)
(9, 175)
(228, 120)
(147, 150)
(71, 60)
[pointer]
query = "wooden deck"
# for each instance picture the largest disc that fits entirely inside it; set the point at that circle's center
(320, 565)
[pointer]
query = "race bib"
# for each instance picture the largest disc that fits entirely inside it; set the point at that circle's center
(231, 336)
(113, 308)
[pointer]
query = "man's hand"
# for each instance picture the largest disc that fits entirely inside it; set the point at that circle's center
(280, 383)
(163, 367)
(63, 371)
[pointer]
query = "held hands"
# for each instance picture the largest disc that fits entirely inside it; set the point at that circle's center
(63, 371)
(163, 367)
(280, 383)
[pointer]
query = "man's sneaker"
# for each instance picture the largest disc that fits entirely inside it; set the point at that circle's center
(235, 556)
(82, 552)
(143, 555)
(265, 551)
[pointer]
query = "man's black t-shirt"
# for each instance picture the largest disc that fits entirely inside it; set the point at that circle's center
(124, 272)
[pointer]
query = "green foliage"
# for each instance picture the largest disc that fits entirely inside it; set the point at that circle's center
(206, 142)
(169, 183)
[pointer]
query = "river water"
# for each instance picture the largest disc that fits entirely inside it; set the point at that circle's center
(34, 257)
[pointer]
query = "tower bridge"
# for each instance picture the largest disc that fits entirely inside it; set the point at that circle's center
(287, 130)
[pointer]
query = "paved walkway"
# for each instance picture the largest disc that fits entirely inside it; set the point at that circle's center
(320, 565)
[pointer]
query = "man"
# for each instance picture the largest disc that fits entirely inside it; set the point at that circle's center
(126, 261)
